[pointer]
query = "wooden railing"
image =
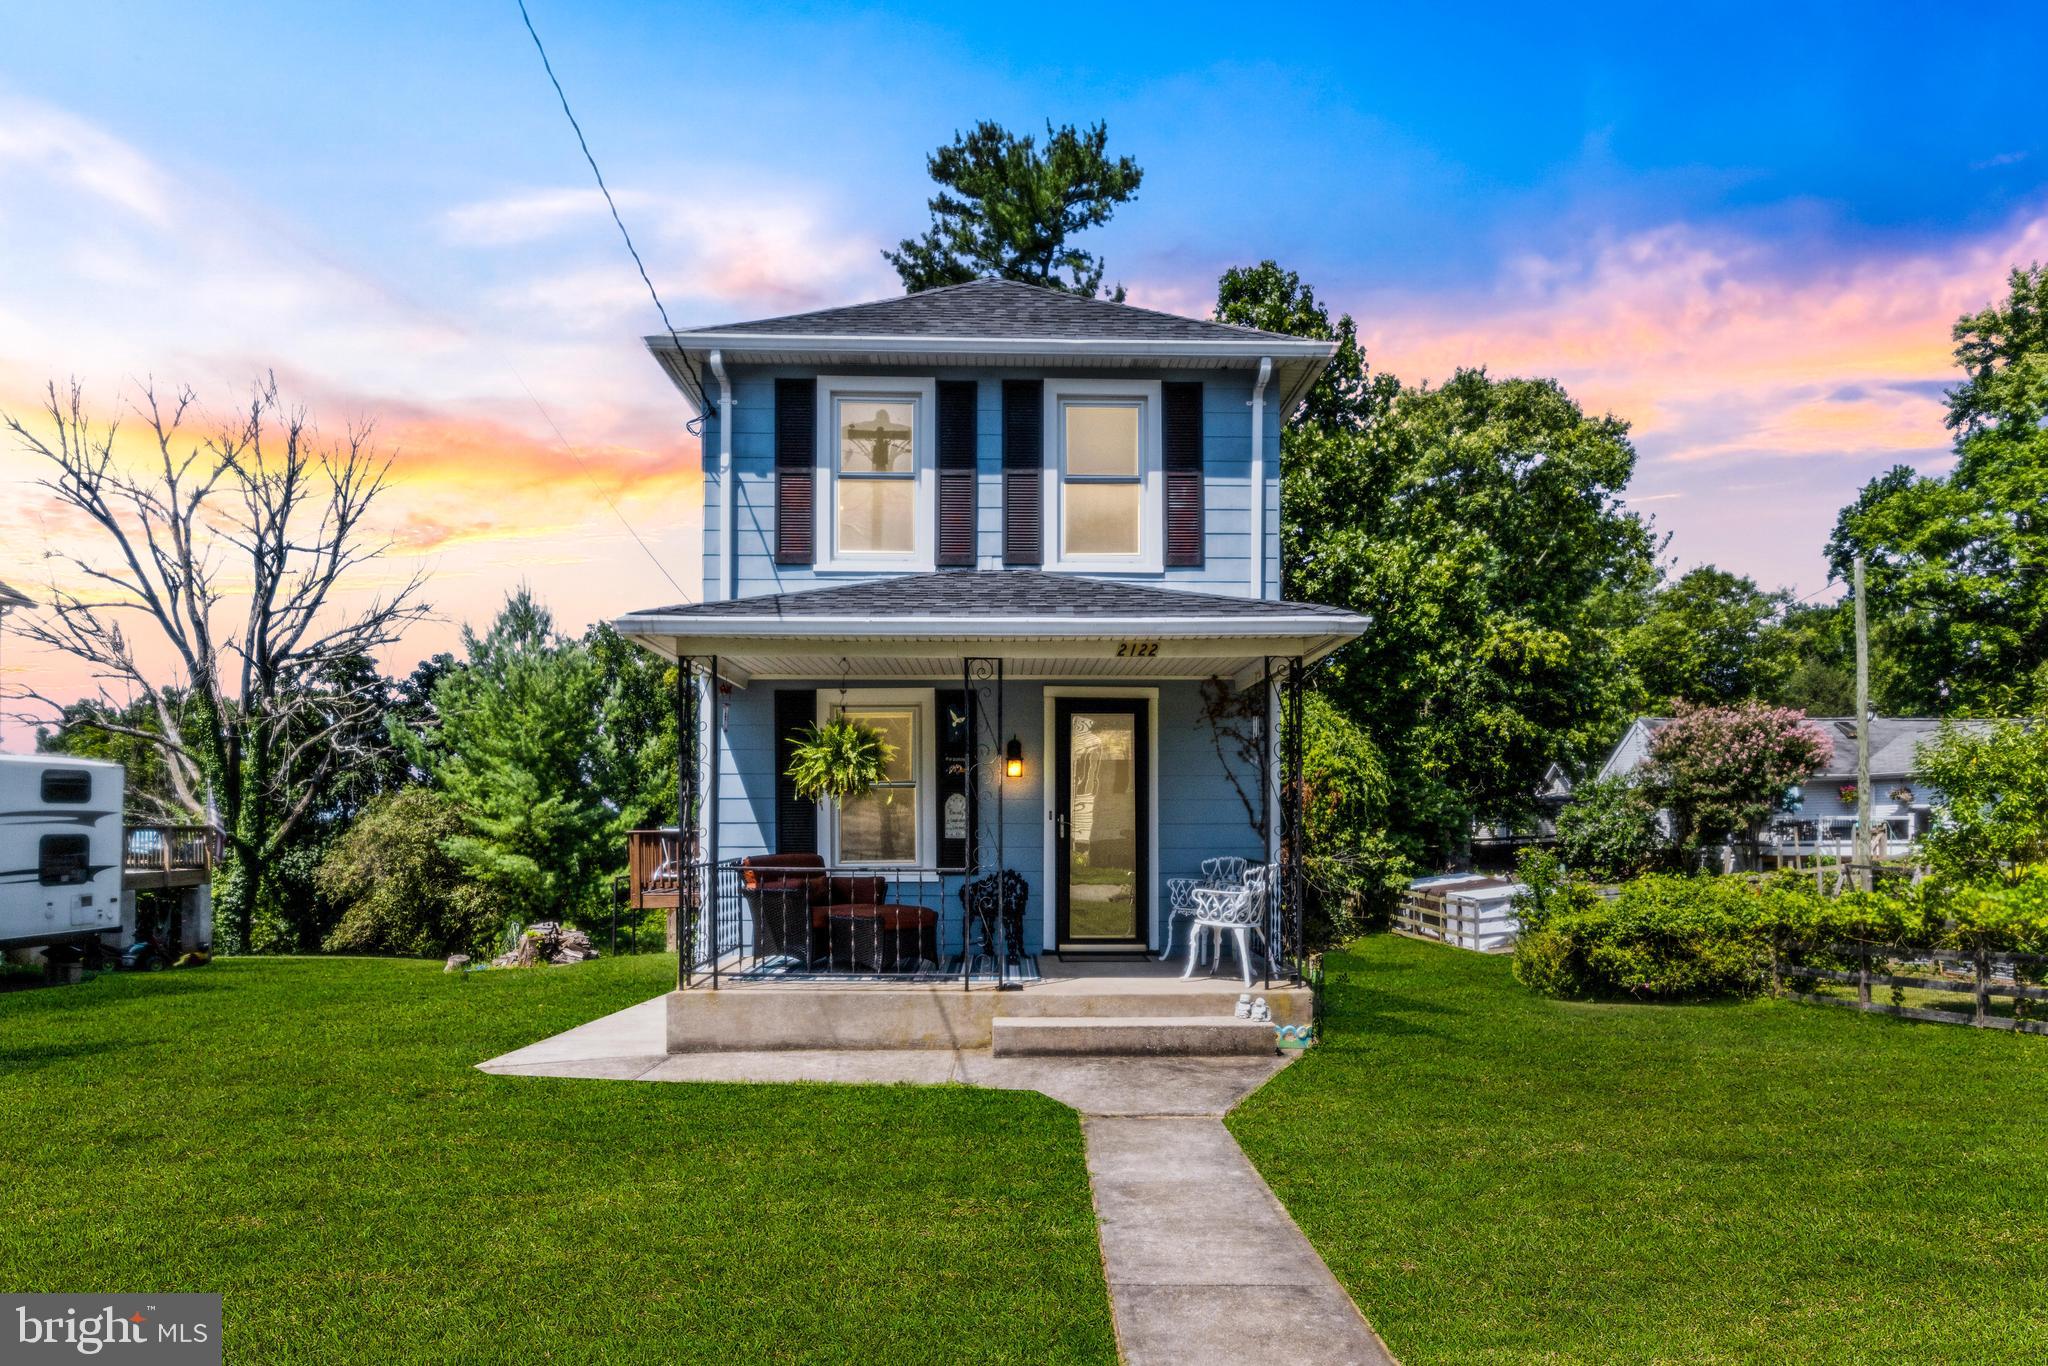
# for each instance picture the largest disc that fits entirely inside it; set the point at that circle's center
(654, 859)
(167, 855)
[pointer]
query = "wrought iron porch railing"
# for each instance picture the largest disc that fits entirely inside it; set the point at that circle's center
(737, 923)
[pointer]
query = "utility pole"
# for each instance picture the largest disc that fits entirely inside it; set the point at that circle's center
(1863, 875)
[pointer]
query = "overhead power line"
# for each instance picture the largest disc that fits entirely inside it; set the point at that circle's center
(605, 190)
(645, 279)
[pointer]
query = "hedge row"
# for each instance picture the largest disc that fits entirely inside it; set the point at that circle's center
(1677, 938)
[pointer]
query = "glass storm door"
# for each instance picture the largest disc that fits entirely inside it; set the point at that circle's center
(1101, 822)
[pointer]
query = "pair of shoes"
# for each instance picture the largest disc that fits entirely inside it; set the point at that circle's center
(1244, 1006)
(1259, 1011)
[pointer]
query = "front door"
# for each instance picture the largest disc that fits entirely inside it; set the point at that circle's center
(1101, 822)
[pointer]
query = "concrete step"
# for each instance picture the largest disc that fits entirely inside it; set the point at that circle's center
(1131, 1036)
(1289, 1005)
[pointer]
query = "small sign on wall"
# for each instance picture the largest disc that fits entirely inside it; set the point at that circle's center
(956, 816)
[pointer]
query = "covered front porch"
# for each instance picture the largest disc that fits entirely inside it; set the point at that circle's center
(1073, 754)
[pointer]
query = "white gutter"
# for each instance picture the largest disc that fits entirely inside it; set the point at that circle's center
(1257, 501)
(728, 581)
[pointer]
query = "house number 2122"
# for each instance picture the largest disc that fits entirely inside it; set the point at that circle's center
(1137, 649)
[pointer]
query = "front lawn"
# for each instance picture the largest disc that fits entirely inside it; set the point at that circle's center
(309, 1137)
(1500, 1177)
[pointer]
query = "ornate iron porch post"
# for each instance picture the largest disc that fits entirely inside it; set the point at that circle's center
(688, 775)
(1292, 879)
(982, 678)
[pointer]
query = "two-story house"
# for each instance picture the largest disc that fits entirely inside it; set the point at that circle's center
(1033, 539)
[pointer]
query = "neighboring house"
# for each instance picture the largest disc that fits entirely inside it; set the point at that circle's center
(1017, 531)
(1823, 815)
(1495, 843)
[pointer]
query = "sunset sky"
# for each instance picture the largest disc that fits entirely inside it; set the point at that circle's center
(1746, 233)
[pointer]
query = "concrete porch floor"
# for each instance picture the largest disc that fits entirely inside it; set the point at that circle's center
(766, 1014)
(631, 1046)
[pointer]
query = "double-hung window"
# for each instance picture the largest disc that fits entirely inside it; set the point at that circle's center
(1104, 486)
(889, 824)
(875, 465)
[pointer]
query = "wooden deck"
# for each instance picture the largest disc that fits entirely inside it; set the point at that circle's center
(160, 857)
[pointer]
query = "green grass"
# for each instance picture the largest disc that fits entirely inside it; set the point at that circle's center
(1499, 1177)
(309, 1138)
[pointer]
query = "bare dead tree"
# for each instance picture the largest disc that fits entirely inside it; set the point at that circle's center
(236, 548)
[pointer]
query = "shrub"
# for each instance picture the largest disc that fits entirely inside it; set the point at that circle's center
(1610, 830)
(1681, 938)
(1994, 787)
(399, 887)
(1353, 869)
(1659, 938)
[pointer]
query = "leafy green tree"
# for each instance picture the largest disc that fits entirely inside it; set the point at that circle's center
(399, 888)
(1722, 771)
(1994, 787)
(1820, 642)
(1345, 396)
(1610, 830)
(634, 759)
(1479, 526)
(1957, 564)
(1711, 637)
(1006, 209)
(517, 727)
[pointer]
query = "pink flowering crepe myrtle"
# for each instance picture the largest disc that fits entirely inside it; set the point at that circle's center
(1723, 770)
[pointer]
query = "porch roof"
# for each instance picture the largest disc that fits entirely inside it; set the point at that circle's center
(1042, 625)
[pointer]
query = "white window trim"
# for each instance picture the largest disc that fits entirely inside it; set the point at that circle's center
(1151, 556)
(1049, 911)
(925, 700)
(924, 392)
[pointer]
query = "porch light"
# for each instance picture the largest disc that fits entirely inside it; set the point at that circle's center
(1013, 758)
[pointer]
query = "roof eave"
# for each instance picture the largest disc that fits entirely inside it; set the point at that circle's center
(1304, 357)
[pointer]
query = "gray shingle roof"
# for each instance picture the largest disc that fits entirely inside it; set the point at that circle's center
(996, 308)
(997, 595)
(1894, 742)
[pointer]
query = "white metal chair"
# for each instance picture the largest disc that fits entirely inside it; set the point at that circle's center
(1239, 909)
(1180, 901)
(1224, 873)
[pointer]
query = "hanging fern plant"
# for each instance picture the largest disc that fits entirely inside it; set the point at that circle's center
(839, 759)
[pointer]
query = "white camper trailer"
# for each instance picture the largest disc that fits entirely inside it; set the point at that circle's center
(60, 849)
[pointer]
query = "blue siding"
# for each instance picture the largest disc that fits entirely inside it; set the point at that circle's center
(1200, 814)
(1226, 565)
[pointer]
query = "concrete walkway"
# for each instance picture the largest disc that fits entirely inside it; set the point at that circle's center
(1203, 1263)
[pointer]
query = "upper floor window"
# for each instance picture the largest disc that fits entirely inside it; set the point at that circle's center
(1103, 482)
(875, 468)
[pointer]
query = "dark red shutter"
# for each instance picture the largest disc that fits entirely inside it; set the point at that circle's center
(1183, 442)
(1023, 466)
(796, 450)
(959, 456)
(796, 820)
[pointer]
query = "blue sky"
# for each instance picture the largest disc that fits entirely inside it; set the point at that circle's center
(1747, 231)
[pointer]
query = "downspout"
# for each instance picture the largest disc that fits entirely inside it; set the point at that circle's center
(728, 581)
(1257, 501)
